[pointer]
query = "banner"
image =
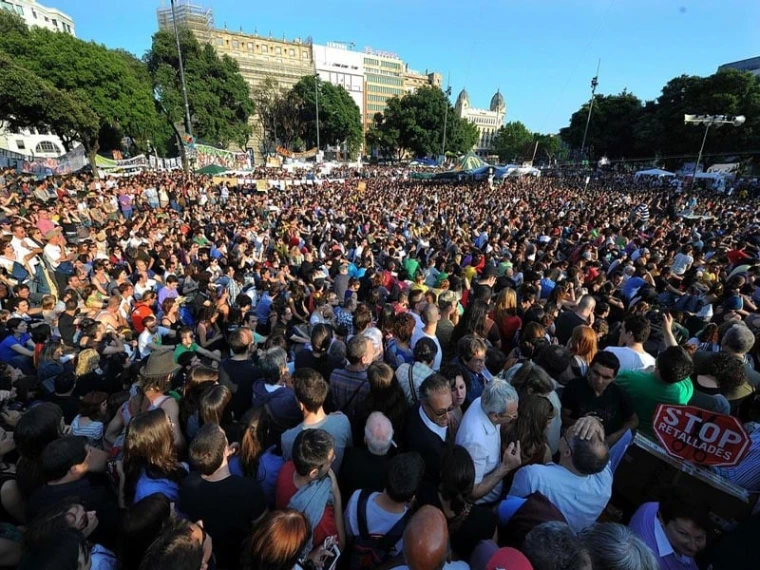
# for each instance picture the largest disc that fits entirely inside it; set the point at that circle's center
(70, 162)
(262, 186)
(290, 154)
(165, 163)
(699, 436)
(110, 163)
(207, 155)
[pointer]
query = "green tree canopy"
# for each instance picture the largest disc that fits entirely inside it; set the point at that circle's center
(622, 127)
(84, 79)
(218, 96)
(612, 127)
(415, 124)
(339, 116)
(513, 142)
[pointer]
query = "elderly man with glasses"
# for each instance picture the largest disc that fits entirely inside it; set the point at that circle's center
(480, 434)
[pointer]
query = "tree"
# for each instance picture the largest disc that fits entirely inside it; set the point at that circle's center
(415, 124)
(339, 116)
(385, 137)
(513, 141)
(93, 81)
(218, 96)
(549, 147)
(612, 126)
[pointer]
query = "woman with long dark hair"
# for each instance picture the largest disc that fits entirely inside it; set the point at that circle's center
(150, 458)
(475, 321)
(255, 459)
(534, 416)
(468, 523)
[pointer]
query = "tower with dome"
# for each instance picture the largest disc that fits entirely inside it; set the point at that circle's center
(488, 120)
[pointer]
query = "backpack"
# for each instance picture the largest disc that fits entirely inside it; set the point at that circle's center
(367, 551)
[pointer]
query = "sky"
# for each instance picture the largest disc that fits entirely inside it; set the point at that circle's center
(541, 54)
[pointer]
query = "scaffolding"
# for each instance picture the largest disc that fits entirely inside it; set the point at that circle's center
(199, 20)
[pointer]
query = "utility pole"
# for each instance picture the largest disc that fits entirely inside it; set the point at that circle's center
(594, 83)
(446, 117)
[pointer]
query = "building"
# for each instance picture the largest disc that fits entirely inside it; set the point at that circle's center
(413, 80)
(31, 142)
(339, 65)
(384, 78)
(35, 14)
(258, 56)
(488, 121)
(752, 65)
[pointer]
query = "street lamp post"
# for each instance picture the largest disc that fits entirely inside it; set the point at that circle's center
(445, 121)
(188, 124)
(709, 121)
(316, 102)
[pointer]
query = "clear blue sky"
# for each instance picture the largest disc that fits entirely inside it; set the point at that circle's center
(540, 53)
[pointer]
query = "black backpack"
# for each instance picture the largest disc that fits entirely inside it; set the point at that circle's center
(367, 551)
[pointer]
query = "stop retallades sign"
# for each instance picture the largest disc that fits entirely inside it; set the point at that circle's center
(699, 436)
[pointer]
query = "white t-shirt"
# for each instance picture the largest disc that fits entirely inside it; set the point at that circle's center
(482, 440)
(630, 360)
(379, 521)
(146, 337)
(417, 335)
(680, 263)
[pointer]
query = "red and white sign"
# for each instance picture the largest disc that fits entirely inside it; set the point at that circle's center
(700, 437)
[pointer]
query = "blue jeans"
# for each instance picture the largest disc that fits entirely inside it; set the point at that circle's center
(127, 213)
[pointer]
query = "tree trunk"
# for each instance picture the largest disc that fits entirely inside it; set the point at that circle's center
(92, 153)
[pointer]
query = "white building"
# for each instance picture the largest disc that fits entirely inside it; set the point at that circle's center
(339, 65)
(31, 142)
(35, 14)
(488, 121)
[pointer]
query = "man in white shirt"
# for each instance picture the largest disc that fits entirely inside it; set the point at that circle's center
(586, 467)
(149, 340)
(430, 316)
(480, 434)
(55, 254)
(634, 332)
(26, 254)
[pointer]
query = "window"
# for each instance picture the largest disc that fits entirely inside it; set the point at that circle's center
(47, 146)
(219, 41)
(278, 51)
(304, 55)
(250, 46)
(34, 14)
(264, 49)
(20, 144)
(55, 22)
(235, 44)
(292, 52)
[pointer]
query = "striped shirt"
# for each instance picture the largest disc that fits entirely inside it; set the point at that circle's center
(642, 212)
(747, 473)
(93, 431)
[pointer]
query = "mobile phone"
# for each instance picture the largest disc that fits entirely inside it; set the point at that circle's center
(331, 559)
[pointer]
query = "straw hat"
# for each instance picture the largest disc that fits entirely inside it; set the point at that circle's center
(160, 364)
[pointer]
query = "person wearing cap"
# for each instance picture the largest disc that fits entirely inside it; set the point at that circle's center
(488, 556)
(5, 227)
(155, 381)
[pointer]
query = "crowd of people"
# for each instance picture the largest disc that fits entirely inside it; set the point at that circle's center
(392, 374)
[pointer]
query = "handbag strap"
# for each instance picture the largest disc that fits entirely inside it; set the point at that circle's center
(412, 390)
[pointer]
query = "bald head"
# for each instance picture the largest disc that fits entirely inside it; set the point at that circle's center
(426, 539)
(378, 433)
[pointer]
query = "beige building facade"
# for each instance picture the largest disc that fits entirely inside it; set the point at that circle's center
(258, 56)
(488, 120)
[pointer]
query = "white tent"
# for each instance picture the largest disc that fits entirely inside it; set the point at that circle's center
(656, 172)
